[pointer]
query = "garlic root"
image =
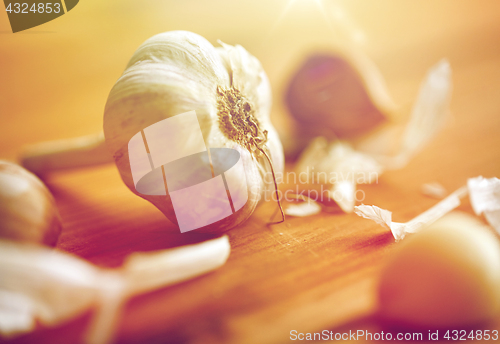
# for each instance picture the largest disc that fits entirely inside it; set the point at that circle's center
(64, 154)
(27, 209)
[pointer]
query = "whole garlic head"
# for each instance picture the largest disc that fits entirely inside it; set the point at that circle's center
(176, 72)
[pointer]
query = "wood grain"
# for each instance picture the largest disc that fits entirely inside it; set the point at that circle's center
(307, 274)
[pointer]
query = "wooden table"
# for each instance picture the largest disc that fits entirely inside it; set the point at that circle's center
(307, 274)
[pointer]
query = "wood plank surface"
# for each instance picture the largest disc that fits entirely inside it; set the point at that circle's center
(307, 274)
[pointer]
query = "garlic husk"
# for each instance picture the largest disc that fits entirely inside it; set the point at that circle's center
(177, 72)
(434, 190)
(485, 199)
(343, 193)
(428, 116)
(399, 230)
(27, 209)
(339, 164)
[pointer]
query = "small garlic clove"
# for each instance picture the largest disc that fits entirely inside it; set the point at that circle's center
(339, 95)
(51, 286)
(446, 276)
(147, 271)
(45, 157)
(308, 208)
(27, 209)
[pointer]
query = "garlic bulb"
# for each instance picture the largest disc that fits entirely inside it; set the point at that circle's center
(178, 72)
(27, 209)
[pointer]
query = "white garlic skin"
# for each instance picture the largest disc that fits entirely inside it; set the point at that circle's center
(179, 71)
(27, 209)
(445, 276)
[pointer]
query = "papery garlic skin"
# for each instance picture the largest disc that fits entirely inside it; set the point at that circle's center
(177, 72)
(399, 230)
(27, 209)
(485, 199)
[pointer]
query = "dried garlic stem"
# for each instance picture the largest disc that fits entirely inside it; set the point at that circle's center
(275, 188)
(63, 154)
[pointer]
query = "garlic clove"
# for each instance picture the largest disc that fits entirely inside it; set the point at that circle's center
(76, 152)
(178, 72)
(339, 94)
(54, 284)
(27, 209)
(147, 271)
(51, 286)
(446, 276)
(308, 208)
